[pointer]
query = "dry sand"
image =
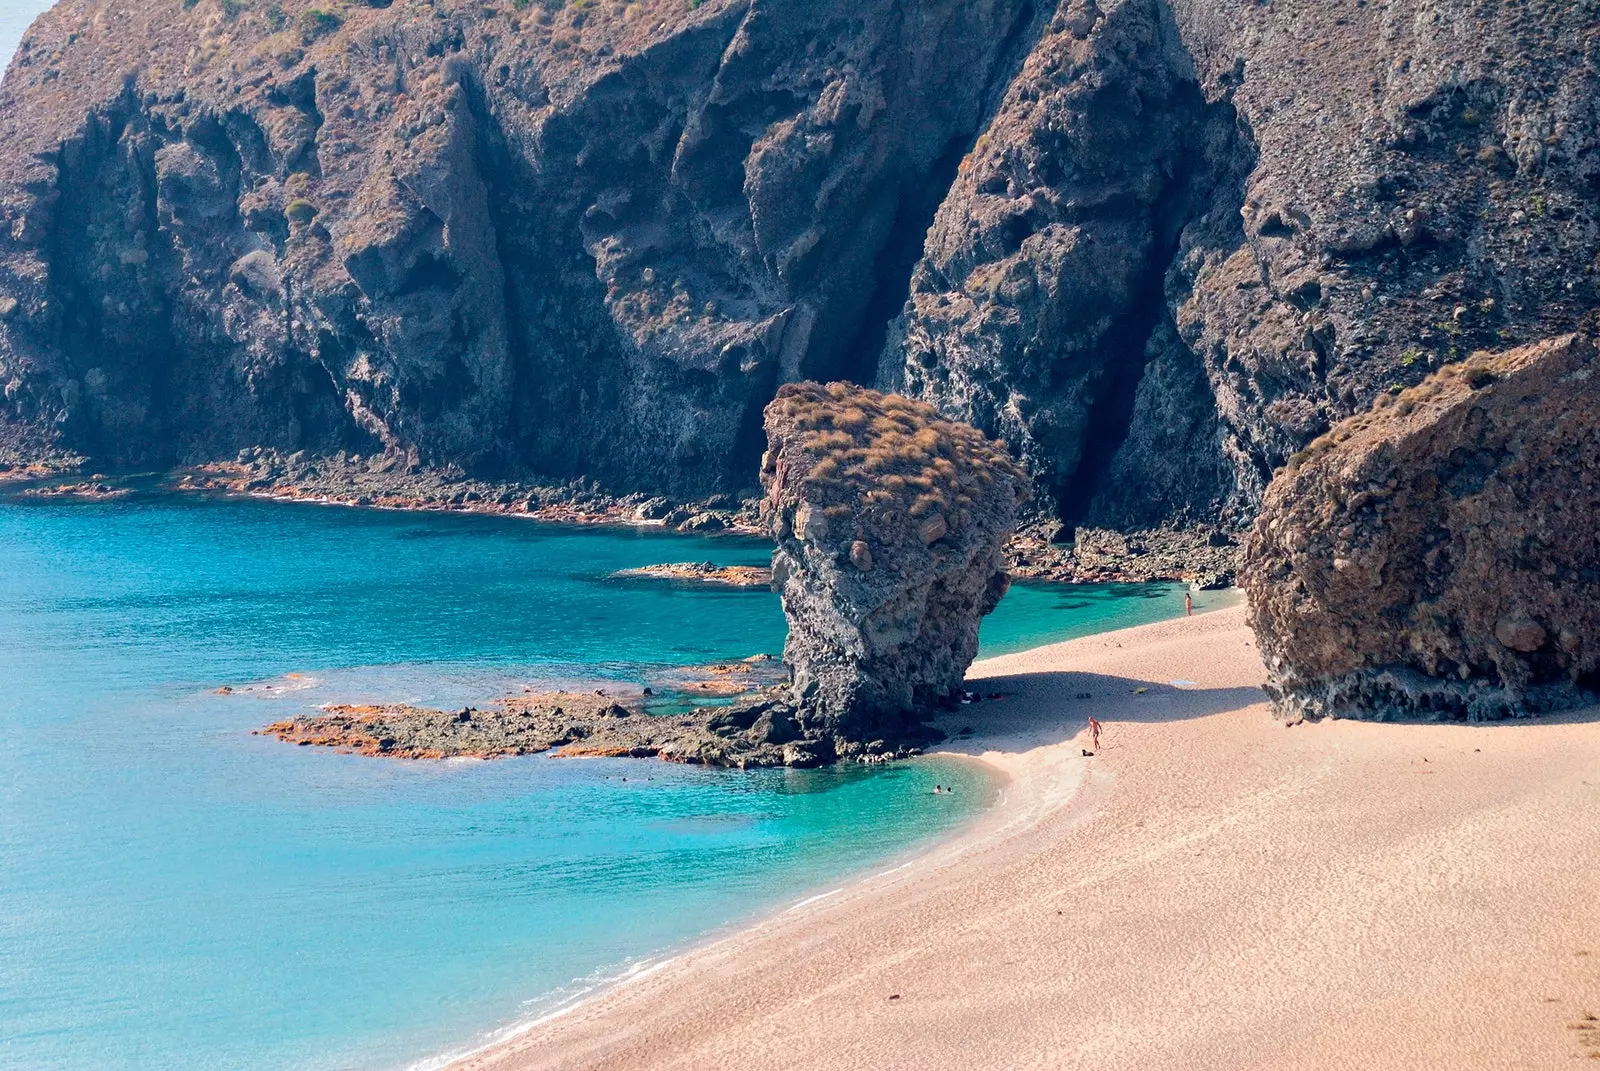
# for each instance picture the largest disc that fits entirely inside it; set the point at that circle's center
(1212, 890)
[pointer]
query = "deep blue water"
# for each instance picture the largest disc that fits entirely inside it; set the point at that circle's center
(178, 893)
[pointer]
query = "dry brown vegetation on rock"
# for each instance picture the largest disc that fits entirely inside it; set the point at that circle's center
(890, 524)
(873, 459)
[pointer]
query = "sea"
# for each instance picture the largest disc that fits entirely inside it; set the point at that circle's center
(177, 892)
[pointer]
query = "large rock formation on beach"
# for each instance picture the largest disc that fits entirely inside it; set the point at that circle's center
(889, 524)
(1441, 554)
(1158, 246)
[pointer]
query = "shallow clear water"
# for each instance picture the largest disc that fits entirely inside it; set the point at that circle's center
(177, 893)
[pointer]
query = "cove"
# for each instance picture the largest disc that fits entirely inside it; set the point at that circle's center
(177, 893)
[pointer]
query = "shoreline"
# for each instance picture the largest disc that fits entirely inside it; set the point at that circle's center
(1202, 556)
(1215, 888)
(1062, 788)
(756, 922)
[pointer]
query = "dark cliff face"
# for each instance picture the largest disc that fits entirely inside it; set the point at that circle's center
(1156, 245)
(1039, 312)
(594, 240)
(1197, 233)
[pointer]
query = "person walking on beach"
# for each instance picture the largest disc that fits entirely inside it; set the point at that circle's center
(1188, 605)
(1094, 731)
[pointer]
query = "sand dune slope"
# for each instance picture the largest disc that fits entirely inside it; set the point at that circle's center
(1212, 890)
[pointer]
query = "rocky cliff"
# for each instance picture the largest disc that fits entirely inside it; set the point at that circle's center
(1439, 555)
(1156, 245)
(889, 524)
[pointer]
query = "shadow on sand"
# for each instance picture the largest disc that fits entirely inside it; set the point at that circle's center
(1039, 709)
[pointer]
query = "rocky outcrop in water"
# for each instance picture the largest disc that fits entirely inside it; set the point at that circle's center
(569, 724)
(1171, 242)
(889, 524)
(1441, 554)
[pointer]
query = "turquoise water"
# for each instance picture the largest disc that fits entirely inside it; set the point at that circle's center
(178, 893)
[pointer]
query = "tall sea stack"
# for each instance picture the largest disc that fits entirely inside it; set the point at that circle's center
(889, 524)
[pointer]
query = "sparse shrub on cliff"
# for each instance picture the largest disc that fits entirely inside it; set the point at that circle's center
(316, 22)
(300, 210)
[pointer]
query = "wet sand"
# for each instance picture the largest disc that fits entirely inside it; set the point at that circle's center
(1212, 889)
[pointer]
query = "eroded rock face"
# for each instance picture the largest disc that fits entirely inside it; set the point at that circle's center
(1441, 554)
(1041, 285)
(1171, 242)
(1196, 234)
(889, 523)
(553, 238)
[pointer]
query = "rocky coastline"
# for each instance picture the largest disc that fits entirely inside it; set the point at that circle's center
(1199, 554)
(1204, 556)
(389, 481)
(756, 730)
(1156, 247)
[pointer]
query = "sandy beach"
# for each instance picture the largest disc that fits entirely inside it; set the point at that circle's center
(1212, 889)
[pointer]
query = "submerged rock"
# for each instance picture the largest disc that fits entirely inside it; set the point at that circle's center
(890, 524)
(1440, 555)
(733, 576)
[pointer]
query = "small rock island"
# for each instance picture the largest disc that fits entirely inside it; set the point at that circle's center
(890, 525)
(1439, 555)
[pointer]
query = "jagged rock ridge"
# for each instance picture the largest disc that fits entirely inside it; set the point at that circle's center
(1172, 241)
(590, 241)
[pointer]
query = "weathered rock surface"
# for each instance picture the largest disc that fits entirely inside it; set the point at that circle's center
(1041, 285)
(1172, 241)
(384, 480)
(889, 524)
(1195, 234)
(525, 725)
(1441, 554)
(567, 239)
(757, 729)
(733, 576)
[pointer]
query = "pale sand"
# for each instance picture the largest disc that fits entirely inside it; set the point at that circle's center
(1213, 890)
